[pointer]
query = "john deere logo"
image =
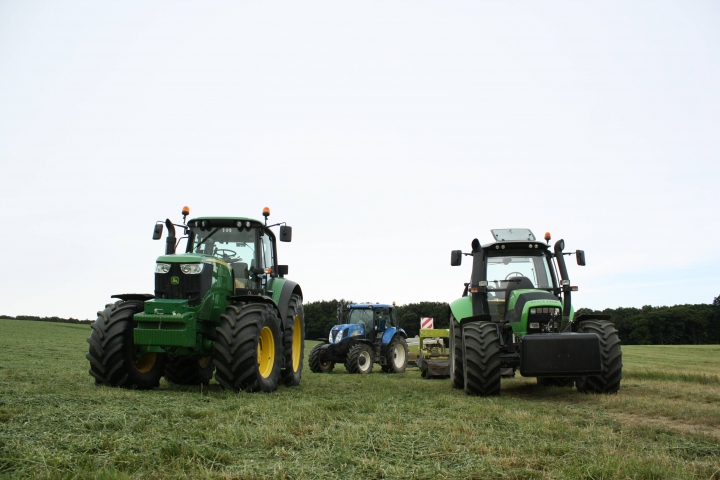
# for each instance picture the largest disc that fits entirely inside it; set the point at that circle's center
(175, 280)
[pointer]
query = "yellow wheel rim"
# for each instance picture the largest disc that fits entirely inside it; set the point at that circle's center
(266, 352)
(297, 343)
(145, 363)
(204, 361)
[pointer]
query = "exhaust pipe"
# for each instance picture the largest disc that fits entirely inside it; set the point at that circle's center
(564, 279)
(170, 241)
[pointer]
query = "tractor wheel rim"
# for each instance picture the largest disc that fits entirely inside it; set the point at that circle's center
(266, 352)
(364, 361)
(145, 363)
(204, 362)
(399, 356)
(296, 344)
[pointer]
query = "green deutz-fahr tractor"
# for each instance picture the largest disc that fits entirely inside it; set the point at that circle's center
(223, 305)
(516, 314)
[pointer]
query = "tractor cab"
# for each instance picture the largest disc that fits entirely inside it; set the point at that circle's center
(368, 320)
(517, 277)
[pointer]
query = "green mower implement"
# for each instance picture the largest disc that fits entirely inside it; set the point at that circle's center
(516, 314)
(433, 353)
(222, 306)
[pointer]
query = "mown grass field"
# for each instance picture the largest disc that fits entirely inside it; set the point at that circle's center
(54, 423)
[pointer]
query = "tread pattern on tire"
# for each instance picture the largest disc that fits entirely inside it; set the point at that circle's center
(611, 355)
(236, 362)
(481, 364)
(187, 371)
(290, 377)
(389, 366)
(457, 377)
(316, 365)
(110, 352)
(352, 360)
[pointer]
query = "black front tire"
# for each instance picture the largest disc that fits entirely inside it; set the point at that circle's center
(189, 371)
(293, 342)
(611, 355)
(359, 359)
(457, 377)
(481, 359)
(396, 357)
(248, 348)
(114, 358)
(316, 363)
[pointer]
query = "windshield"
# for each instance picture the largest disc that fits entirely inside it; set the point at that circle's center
(514, 272)
(228, 244)
(362, 316)
(502, 270)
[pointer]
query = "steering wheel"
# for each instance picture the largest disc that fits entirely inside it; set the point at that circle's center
(229, 256)
(513, 274)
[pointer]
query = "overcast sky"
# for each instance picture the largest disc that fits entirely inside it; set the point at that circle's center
(385, 133)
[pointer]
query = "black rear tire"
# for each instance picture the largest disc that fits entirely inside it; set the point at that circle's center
(359, 359)
(611, 355)
(556, 381)
(293, 342)
(316, 363)
(189, 371)
(114, 358)
(457, 377)
(248, 348)
(481, 361)
(396, 357)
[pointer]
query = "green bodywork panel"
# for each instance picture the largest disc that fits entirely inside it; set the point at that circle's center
(462, 308)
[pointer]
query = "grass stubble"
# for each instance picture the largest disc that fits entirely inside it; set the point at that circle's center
(55, 423)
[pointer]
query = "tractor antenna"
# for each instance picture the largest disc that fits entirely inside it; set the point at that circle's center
(266, 214)
(185, 213)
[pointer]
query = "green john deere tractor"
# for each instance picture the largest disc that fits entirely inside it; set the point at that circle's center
(223, 306)
(516, 314)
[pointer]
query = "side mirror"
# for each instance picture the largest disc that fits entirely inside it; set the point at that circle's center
(456, 258)
(157, 233)
(580, 257)
(285, 234)
(282, 270)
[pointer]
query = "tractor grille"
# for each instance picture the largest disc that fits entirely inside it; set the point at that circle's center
(188, 287)
(544, 320)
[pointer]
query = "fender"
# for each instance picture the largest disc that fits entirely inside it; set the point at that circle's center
(390, 333)
(461, 308)
(288, 288)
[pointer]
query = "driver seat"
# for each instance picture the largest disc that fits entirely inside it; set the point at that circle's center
(518, 283)
(240, 274)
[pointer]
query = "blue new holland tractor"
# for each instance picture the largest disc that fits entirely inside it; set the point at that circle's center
(366, 334)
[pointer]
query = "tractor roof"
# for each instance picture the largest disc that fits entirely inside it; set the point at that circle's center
(370, 305)
(515, 239)
(223, 221)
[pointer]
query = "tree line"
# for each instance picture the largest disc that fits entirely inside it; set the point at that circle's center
(677, 325)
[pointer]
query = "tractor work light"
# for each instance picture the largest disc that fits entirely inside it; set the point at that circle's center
(557, 311)
(533, 311)
(162, 268)
(534, 325)
(192, 268)
(565, 282)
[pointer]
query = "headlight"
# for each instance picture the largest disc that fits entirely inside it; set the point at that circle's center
(339, 336)
(330, 337)
(162, 268)
(191, 268)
